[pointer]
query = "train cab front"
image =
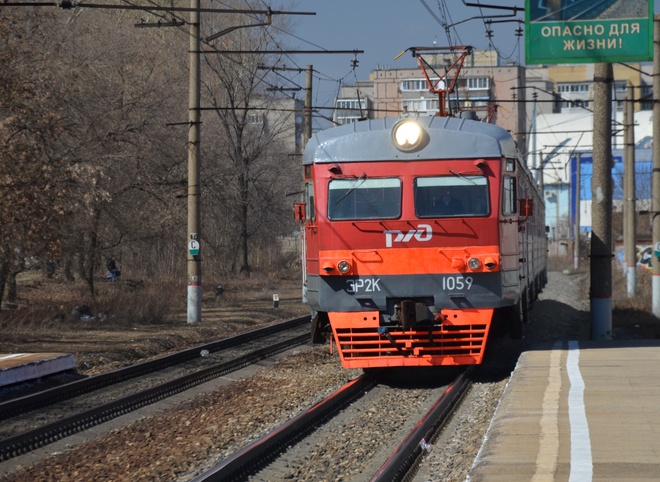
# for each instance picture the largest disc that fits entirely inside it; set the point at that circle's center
(382, 320)
(402, 258)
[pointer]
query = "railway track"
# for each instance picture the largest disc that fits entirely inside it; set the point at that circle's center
(273, 456)
(77, 406)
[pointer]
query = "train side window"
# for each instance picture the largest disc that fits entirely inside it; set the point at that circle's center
(509, 195)
(361, 198)
(446, 196)
(510, 165)
(309, 199)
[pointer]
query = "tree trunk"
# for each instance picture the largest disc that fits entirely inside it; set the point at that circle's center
(244, 196)
(4, 270)
(68, 268)
(90, 253)
(12, 290)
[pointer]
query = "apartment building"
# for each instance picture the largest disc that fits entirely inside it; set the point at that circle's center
(574, 88)
(281, 119)
(484, 87)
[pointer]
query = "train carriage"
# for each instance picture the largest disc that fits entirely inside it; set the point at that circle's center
(419, 234)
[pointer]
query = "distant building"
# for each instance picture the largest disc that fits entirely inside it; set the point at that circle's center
(281, 118)
(575, 87)
(561, 140)
(355, 103)
(483, 86)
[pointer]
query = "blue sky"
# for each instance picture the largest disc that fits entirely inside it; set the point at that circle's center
(384, 28)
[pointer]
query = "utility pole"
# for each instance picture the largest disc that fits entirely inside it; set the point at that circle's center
(537, 161)
(307, 134)
(629, 201)
(576, 227)
(601, 188)
(655, 209)
(308, 106)
(194, 191)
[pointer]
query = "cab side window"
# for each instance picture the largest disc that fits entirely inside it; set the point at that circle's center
(509, 195)
(309, 200)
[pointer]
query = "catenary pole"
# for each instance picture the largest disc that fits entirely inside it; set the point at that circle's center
(576, 235)
(308, 105)
(629, 202)
(624, 185)
(194, 217)
(601, 188)
(307, 134)
(655, 209)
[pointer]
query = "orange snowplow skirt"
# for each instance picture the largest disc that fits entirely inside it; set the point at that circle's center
(460, 340)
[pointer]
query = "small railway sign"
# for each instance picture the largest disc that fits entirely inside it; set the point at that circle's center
(193, 247)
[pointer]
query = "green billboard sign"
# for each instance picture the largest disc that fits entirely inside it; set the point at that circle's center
(588, 31)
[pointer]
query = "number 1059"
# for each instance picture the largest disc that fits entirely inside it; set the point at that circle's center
(453, 283)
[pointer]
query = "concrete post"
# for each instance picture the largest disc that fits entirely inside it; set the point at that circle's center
(629, 226)
(194, 191)
(655, 209)
(601, 187)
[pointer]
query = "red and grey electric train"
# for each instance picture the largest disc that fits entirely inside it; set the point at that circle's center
(419, 234)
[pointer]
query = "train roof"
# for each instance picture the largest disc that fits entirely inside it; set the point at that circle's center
(371, 140)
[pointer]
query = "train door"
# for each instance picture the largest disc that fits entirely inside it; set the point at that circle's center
(509, 241)
(310, 237)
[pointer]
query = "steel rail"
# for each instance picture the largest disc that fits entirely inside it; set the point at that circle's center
(258, 454)
(49, 433)
(406, 457)
(17, 406)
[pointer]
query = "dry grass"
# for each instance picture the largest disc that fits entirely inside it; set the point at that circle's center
(632, 316)
(46, 304)
(131, 320)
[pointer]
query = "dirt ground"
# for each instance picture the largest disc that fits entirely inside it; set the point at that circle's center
(44, 320)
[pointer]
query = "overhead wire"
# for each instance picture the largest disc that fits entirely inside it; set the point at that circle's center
(261, 78)
(431, 12)
(171, 15)
(319, 76)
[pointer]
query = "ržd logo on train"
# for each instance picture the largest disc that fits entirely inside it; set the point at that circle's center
(424, 233)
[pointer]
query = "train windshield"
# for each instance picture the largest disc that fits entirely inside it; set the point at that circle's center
(364, 198)
(448, 196)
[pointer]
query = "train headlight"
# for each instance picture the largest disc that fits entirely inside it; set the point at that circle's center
(408, 135)
(344, 267)
(474, 263)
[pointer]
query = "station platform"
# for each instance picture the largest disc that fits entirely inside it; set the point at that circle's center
(577, 411)
(21, 367)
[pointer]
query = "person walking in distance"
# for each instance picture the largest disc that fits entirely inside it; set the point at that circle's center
(113, 271)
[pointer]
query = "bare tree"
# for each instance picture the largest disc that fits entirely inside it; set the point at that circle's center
(93, 160)
(253, 165)
(33, 179)
(125, 163)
